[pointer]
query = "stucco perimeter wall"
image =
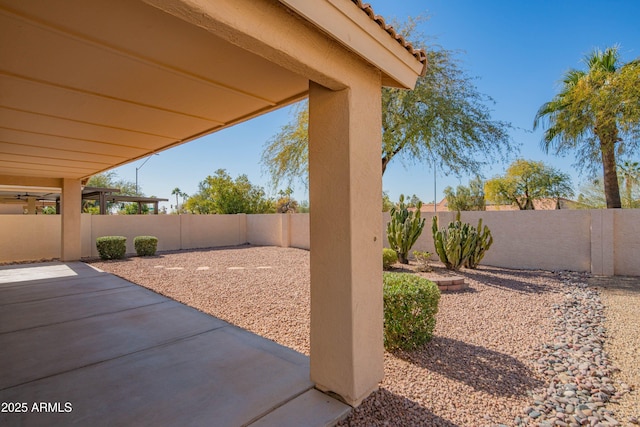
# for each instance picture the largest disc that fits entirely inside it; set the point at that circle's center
(29, 237)
(600, 241)
(267, 229)
(299, 224)
(165, 227)
(626, 240)
(549, 240)
(206, 231)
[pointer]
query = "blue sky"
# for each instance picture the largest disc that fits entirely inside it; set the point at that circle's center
(517, 50)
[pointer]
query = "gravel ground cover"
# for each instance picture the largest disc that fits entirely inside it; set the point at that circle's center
(484, 367)
(621, 297)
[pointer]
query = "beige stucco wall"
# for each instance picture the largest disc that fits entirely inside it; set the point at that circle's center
(165, 227)
(204, 231)
(264, 229)
(549, 240)
(11, 209)
(29, 237)
(85, 234)
(579, 240)
(627, 242)
(300, 231)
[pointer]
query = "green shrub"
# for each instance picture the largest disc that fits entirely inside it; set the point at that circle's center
(389, 257)
(410, 307)
(111, 247)
(422, 259)
(145, 245)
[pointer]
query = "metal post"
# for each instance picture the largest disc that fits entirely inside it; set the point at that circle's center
(140, 167)
(435, 188)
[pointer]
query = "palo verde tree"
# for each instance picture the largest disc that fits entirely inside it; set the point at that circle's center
(596, 114)
(444, 118)
(526, 181)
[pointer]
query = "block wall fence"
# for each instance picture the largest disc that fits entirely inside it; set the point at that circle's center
(603, 242)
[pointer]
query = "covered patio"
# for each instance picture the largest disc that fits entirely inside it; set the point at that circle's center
(88, 348)
(86, 86)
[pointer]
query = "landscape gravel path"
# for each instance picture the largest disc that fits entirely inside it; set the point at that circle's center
(482, 368)
(621, 298)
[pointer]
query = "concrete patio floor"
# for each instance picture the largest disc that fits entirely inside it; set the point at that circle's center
(82, 347)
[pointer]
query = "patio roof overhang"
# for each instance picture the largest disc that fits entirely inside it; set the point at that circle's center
(86, 86)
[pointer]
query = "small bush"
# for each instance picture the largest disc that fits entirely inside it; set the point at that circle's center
(145, 245)
(410, 307)
(422, 259)
(111, 247)
(389, 257)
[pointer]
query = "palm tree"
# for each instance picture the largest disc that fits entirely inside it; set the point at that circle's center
(592, 113)
(176, 192)
(630, 174)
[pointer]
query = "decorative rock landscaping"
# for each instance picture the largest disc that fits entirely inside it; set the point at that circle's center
(577, 370)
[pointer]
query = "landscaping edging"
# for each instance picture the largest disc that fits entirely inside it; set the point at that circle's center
(450, 284)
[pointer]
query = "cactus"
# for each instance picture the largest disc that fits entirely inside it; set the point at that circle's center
(454, 243)
(483, 243)
(404, 229)
(460, 243)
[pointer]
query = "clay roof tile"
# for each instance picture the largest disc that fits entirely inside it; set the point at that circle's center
(420, 54)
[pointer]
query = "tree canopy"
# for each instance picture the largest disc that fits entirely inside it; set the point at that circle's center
(221, 194)
(465, 198)
(526, 181)
(445, 119)
(629, 175)
(596, 115)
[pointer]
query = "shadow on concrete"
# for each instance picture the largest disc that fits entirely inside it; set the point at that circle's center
(101, 351)
(480, 368)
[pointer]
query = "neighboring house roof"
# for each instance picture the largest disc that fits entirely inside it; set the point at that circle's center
(420, 54)
(539, 204)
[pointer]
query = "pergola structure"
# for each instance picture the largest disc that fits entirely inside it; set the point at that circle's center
(88, 85)
(105, 195)
(29, 196)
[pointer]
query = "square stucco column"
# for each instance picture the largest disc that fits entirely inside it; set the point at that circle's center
(71, 228)
(345, 183)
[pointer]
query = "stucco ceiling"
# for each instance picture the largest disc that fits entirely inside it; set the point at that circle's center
(89, 85)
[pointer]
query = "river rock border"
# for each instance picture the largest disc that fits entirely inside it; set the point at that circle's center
(575, 366)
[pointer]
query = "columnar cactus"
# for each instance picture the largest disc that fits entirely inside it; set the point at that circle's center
(455, 243)
(460, 243)
(404, 229)
(483, 242)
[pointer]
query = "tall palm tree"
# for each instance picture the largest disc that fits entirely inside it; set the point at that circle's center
(176, 192)
(630, 175)
(592, 113)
